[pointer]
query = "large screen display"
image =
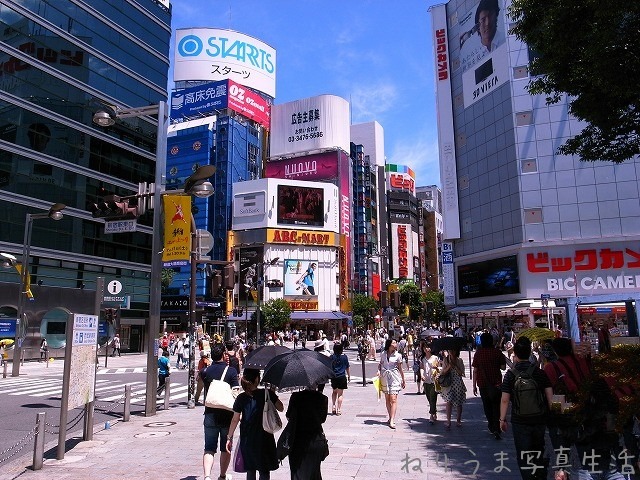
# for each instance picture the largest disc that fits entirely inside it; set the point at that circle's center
(300, 205)
(498, 276)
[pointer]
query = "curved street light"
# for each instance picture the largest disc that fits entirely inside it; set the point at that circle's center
(54, 213)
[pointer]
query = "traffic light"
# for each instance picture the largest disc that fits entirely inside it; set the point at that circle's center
(228, 277)
(395, 299)
(113, 207)
(216, 283)
(384, 299)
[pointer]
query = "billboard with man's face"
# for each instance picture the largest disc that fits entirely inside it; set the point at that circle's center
(300, 277)
(483, 50)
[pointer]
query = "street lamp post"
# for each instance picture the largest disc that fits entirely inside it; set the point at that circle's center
(107, 118)
(55, 213)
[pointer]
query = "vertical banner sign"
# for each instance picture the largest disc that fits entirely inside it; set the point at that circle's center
(177, 230)
(449, 287)
(444, 108)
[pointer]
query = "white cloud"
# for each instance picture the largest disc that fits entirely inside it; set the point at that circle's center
(371, 102)
(421, 155)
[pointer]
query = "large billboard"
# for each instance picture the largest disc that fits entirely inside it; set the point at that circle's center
(216, 54)
(446, 140)
(249, 258)
(321, 166)
(300, 205)
(498, 276)
(483, 50)
(400, 178)
(402, 244)
(300, 277)
(310, 124)
(209, 97)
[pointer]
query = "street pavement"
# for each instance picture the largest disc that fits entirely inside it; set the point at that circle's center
(169, 445)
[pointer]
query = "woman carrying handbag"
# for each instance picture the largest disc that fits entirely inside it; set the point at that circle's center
(456, 393)
(257, 449)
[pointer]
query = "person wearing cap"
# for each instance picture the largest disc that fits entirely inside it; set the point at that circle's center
(319, 347)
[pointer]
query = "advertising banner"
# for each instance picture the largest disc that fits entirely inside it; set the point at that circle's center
(320, 166)
(300, 277)
(177, 230)
(483, 50)
(301, 237)
(250, 257)
(446, 139)
(202, 99)
(249, 104)
(310, 124)
(402, 261)
(216, 54)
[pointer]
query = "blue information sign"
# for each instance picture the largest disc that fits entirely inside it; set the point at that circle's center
(8, 328)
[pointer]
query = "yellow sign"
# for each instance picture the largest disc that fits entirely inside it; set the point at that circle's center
(302, 305)
(177, 229)
(301, 237)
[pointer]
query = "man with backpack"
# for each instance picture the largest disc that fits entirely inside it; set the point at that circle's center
(529, 391)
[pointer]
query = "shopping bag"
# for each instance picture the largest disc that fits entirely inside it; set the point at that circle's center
(377, 383)
(238, 460)
(271, 421)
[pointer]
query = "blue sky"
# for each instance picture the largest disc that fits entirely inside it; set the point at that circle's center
(375, 53)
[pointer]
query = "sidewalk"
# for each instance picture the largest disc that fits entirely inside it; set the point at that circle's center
(169, 444)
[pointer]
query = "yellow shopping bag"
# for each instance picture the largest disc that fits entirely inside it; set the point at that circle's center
(378, 386)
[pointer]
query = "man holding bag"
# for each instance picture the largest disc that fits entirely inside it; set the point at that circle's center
(217, 420)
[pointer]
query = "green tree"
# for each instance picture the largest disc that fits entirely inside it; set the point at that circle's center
(362, 304)
(276, 314)
(436, 310)
(587, 50)
(358, 322)
(411, 296)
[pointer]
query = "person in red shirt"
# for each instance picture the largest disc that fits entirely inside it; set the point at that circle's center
(487, 363)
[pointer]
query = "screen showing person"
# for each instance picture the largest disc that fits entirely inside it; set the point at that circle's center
(300, 277)
(300, 205)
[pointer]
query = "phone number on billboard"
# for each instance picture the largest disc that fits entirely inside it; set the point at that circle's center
(306, 136)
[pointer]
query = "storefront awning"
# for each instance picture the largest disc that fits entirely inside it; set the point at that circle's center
(487, 307)
(318, 316)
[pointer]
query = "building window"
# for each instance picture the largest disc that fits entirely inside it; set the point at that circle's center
(529, 165)
(520, 72)
(532, 215)
(524, 118)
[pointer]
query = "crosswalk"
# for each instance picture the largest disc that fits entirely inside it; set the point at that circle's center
(107, 390)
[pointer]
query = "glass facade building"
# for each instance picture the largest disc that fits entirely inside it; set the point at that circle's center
(60, 61)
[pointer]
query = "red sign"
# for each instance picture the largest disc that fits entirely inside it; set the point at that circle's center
(249, 104)
(403, 258)
(441, 54)
(400, 181)
(584, 260)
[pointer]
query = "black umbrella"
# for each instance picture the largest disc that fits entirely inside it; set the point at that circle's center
(448, 343)
(259, 357)
(431, 332)
(298, 369)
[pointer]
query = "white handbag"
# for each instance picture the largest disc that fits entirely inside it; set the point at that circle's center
(271, 421)
(220, 394)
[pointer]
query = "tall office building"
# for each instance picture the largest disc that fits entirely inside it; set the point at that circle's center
(371, 240)
(525, 227)
(60, 61)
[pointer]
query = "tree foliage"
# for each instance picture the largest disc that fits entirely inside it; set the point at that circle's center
(587, 50)
(436, 310)
(166, 277)
(411, 296)
(362, 304)
(276, 313)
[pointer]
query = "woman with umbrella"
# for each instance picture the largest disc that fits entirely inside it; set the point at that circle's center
(391, 377)
(308, 410)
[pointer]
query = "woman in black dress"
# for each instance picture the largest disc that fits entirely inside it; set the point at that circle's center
(258, 447)
(308, 409)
